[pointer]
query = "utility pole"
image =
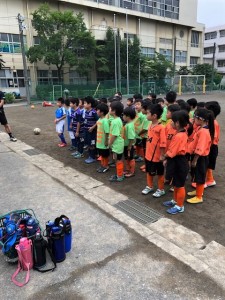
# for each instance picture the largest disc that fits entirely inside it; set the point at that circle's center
(128, 88)
(115, 50)
(21, 28)
(213, 63)
(174, 55)
(118, 60)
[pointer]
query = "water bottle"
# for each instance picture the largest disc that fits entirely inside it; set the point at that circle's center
(39, 248)
(32, 227)
(49, 226)
(58, 243)
(68, 234)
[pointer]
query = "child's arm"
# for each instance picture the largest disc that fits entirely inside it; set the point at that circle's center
(194, 161)
(78, 129)
(60, 119)
(162, 153)
(106, 139)
(93, 127)
(143, 131)
(1, 103)
(112, 140)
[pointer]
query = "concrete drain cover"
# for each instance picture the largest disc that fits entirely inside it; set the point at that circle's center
(32, 152)
(138, 211)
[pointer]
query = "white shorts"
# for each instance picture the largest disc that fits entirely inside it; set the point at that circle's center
(71, 134)
(60, 126)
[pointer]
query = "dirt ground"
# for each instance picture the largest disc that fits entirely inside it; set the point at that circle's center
(208, 218)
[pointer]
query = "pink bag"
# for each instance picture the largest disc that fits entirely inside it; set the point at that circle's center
(25, 260)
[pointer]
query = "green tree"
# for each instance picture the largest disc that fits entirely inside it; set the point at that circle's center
(2, 62)
(209, 72)
(184, 71)
(64, 40)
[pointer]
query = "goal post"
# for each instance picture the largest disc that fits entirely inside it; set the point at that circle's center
(57, 92)
(190, 84)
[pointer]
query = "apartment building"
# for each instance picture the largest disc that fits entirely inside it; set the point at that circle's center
(214, 44)
(166, 26)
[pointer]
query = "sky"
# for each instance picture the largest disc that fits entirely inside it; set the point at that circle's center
(211, 12)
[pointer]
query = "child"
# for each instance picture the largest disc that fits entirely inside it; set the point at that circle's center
(177, 164)
(3, 120)
(216, 109)
(170, 99)
(155, 149)
(77, 125)
(160, 101)
(116, 141)
(130, 102)
(60, 115)
(68, 119)
(202, 141)
(193, 104)
(137, 126)
(102, 137)
(90, 128)
(129, 141)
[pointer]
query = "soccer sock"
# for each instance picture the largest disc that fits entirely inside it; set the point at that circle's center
(175, 194)
(209, 175)
(103, 162)
(199, 190)
(141, 152)
(119, 168)
(92, 153)
(149, 180)
(127, 165)
(10, 134)
(161, 182)
(180, 196)
(132, 165)
(62, 138)
(73, 141)
(138, 150)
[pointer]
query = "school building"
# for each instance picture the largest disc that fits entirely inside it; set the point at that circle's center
(214, 48)
(167, 26)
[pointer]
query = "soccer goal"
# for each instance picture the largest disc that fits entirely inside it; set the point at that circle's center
(148, 87)
(189, 84)
(57, 92)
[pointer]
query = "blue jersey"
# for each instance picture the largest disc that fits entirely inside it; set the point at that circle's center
(60, 111)
(77, 117)
(90, 118)
(68, 117)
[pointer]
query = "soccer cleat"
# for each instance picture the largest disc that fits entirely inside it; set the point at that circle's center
(194, 185)
(175, 210)
(192, 193)
(90, 160)
(139, 159)
(129, 174)
(142, 167)
(71, 148)
(74, 153)
(112, 164)
(210, 183)
(62, 145)
(99, 158)
(171, 189)
(102, 170)
(169, 203)
(13, 139)
(147, 190)
(78, 155)
(195, 200)
(115, 178)
(159, 193)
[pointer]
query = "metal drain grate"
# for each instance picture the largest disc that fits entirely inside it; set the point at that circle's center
(138, 211)
(32, 152)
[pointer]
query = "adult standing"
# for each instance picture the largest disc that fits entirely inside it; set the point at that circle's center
(3, 119)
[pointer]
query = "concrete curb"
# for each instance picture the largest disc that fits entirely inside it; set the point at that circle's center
(178, 241)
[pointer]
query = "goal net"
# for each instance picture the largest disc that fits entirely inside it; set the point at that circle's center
(189, 84)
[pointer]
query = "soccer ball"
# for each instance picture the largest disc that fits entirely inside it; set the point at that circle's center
(32, 106)
(37, 131)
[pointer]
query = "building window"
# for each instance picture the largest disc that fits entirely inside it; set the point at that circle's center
(10, 43)
(165, 41)
(76, 79)
(148, 52)
(221, 48)
(210, 35)
(181, 56)
(221, 63)
(222, 33)
(12, 78)
(208, 50)
(195, 39)
(130, 36)
(36, 40)
(193, 61)
(47, 77)
(167, 53)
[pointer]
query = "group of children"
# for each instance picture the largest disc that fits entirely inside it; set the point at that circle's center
(171, 137)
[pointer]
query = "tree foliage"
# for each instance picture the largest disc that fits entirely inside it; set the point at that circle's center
(64, 40)
(209, 72)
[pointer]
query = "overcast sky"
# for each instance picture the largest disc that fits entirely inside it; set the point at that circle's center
(211, 12)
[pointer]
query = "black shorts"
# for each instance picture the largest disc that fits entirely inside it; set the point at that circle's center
(138, 142)
(103, 152)
(198, 173)
(117, 156)
(144, 141)
(154, 168)
(3, 119)
(90, 138)
(212, 157)
(126, 156)
(177, 170)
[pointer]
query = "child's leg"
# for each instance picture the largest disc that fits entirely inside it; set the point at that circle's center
(180, 196)
(62, 138)
(119, 168)
(149, 180)
(199, 190)
(161, 182)
(209, 176)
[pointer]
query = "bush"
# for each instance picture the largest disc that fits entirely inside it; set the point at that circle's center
(9, 98)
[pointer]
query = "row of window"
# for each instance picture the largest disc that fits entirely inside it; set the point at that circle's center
(213, 35)
(163, 8)
(10, 43)
(210, 50)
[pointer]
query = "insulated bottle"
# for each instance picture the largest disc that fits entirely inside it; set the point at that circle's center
(58, 243)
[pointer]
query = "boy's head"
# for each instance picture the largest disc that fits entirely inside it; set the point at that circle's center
(214, 107)
(171, 97)
(119, 95)
(116, 108)
(184, 105)
(67, 102)
(129, 114)
(103, 100)
(74, 102)
(193, 103)
(81, 102)
(102, 109)
(137, 96)
(200, 105)
(154, 112)
(130, 101)
(60, 102)
(160, 101)
(144, 106)
(152, 96)
(89, 102)
(171, 109)
(137, 104)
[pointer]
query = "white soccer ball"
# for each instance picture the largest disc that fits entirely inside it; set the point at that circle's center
(37, 131)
